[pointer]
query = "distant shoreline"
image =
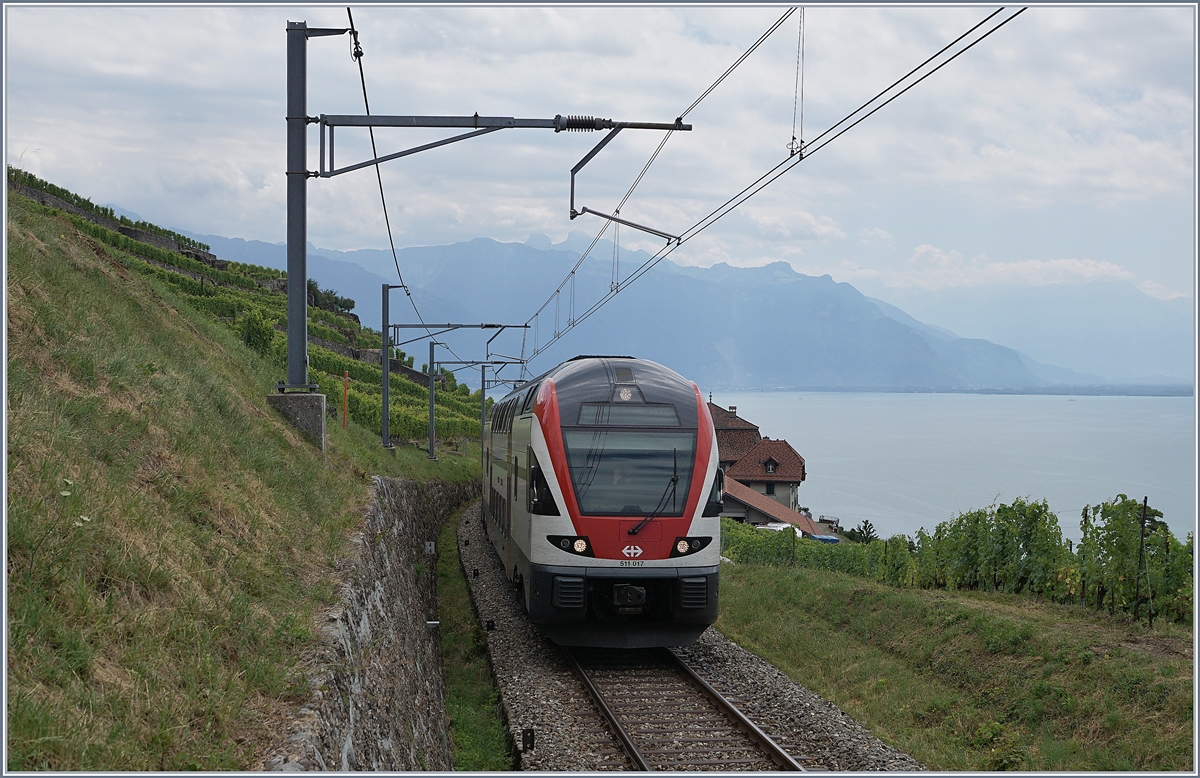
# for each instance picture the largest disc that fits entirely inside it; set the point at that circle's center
(1115, 390)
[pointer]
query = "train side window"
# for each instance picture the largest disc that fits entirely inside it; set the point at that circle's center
(530, 398)
(539, 499)
(502, 416)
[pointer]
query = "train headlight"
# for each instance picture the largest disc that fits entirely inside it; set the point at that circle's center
(577, 545)
(687, 546)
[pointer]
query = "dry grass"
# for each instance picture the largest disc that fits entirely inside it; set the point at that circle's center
(170, 539)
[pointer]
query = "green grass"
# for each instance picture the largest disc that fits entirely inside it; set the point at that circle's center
(970, 681)
(170, 537)
(479, 739)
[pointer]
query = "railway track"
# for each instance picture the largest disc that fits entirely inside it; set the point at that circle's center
(666, 717)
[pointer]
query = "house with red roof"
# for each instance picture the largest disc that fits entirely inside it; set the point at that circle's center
(735, 435)
(771, 468)
(747, 505)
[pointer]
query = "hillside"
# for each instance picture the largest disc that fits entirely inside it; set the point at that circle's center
(170, 538)
(970, 680)
(251, 300)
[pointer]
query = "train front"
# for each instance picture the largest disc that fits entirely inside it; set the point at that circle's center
(633, 459)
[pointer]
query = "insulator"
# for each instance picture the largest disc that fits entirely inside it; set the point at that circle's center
(581, 123)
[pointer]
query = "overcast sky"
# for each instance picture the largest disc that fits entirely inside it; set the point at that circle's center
(1059, 150)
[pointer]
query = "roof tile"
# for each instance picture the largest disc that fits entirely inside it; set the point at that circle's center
(728, 419)
(761, 502)
(752, 466)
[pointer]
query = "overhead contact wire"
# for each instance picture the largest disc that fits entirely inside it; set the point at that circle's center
(759, 184)
(789, 163)
(356, 53)
(641, 175)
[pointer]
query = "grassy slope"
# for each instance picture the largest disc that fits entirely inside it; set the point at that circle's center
(169, 537)
(968, 681)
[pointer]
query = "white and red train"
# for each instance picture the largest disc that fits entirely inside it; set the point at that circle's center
(602, 497)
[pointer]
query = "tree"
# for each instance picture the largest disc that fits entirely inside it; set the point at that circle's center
(863, 533)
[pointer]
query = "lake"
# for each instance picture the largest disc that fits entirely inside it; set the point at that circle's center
(906, 461)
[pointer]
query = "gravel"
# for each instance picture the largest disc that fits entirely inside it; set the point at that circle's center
(540, 692)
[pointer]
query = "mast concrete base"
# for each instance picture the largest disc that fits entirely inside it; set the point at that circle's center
(305, 412)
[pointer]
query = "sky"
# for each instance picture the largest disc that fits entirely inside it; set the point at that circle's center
(1058, 150)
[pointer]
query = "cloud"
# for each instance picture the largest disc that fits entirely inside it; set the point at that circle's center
(797, 225)
(932, 268)
(873, 235)
(1155, 289)
(176, 113)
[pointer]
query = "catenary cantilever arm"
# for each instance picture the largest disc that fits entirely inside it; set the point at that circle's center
(480, 125)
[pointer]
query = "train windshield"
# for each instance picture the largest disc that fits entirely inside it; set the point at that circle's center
(618, 472)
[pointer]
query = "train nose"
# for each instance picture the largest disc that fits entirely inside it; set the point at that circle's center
(629, 599)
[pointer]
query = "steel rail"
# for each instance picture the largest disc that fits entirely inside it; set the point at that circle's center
(773, 749)
(623, 736)
(759, 738)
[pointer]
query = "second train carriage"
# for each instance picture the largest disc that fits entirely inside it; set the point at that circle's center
(602, 498)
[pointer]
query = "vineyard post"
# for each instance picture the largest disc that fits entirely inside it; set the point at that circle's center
(345, 398)
(1150, 598)
(1137, 583)
(482, 414)
(385, 363)
(432, 370)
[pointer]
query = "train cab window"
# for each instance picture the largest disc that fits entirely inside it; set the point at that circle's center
(714, 505)
(630, 472)
(540, 500)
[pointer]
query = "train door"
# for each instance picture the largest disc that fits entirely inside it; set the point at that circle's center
(520, 513)
(509, 484)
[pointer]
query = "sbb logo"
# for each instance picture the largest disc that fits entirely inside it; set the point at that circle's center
(632, 551)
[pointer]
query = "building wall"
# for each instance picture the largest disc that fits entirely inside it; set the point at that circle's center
(734, 509)
(786, 494)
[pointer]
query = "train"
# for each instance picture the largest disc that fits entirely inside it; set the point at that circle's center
(602, 497)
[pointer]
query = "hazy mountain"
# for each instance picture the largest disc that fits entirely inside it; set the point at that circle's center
(725, 327)
(348, 279)
(1106, 328)
(939, 335)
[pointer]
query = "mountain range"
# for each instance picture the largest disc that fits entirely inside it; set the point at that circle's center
(769, 327)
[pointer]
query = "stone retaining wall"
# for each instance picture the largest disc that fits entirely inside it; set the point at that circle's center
(378, 699)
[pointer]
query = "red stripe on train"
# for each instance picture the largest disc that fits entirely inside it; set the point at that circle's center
(545, 408)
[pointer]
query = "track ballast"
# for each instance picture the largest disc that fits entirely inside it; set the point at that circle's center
(548, 708)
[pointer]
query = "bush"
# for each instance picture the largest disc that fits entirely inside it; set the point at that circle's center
(258, 332)
(1015, 548)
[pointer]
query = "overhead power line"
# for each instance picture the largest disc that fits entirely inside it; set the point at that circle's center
(569, 279)
(766, 179)
(356, 53)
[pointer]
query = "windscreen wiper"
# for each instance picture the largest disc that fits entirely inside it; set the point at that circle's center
(662, 501)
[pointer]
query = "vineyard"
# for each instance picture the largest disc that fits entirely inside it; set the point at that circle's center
(21, 177)
(240, 298)
(1018, 548)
